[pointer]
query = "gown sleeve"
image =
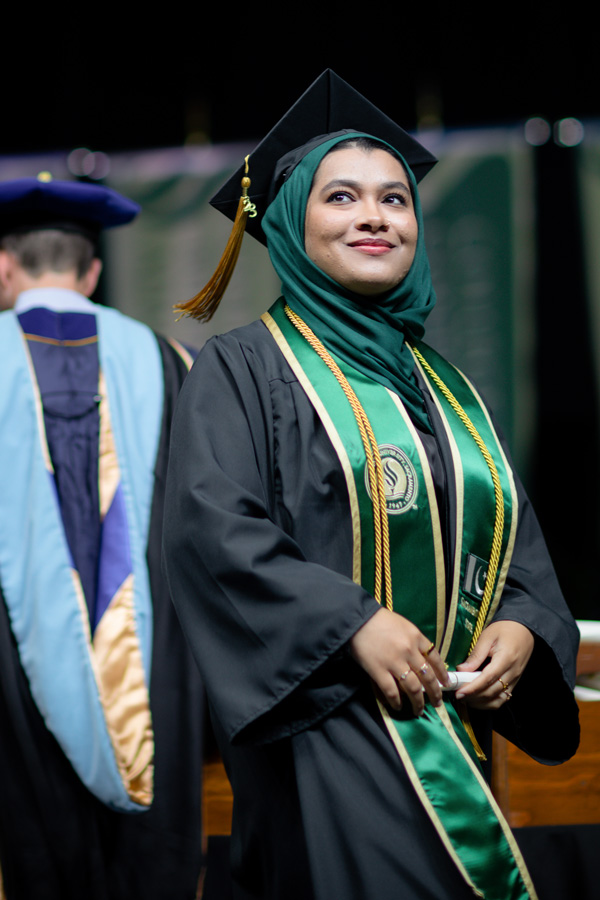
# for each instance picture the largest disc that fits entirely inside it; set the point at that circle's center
(267, 626)
(542, 716)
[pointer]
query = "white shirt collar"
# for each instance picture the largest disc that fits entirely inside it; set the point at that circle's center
(56, 299)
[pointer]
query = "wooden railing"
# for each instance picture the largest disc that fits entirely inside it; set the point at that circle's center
(531, 794)
(217, 802)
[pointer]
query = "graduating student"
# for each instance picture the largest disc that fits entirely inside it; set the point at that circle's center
(100, 701)
(343, 526)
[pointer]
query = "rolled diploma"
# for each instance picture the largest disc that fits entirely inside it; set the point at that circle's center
(458, 679)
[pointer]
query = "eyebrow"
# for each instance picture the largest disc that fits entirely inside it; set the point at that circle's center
(356, 185)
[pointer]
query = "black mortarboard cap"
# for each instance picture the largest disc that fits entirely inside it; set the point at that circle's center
(329, 106)
(28, 204)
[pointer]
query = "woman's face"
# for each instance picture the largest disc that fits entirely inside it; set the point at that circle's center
(360, 226)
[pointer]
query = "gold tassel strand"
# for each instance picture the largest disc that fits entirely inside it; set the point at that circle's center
(204, 304)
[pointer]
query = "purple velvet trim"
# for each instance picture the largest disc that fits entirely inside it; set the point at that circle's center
(115, 555)
(69, 326)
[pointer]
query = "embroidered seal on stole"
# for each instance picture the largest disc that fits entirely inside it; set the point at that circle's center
(399, 477)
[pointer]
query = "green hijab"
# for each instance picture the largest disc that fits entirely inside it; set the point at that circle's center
(366, 332)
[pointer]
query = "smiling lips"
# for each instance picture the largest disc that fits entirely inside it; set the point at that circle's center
(372, 246)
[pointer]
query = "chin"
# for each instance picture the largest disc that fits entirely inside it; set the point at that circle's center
(372, 290)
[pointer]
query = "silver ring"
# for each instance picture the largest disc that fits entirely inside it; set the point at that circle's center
(405, 675)
(424, 668)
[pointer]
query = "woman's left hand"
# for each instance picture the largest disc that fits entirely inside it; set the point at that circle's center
(508, 645)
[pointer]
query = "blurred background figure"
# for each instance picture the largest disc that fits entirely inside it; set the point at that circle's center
(100, 703)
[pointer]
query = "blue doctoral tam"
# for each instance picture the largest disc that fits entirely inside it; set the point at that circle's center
(30, 204)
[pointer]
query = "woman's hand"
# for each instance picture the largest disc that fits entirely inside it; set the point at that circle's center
(398, 658)
(508, 645)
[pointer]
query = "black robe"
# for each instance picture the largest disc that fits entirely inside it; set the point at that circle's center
(57, 840)
(258, 552)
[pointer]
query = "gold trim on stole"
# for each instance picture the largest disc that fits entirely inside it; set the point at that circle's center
(426, 802)
(460, 500)
(510, 838)
(332, 434)
(512, 536)
(438, 546)
(442, 711)
(510, 544)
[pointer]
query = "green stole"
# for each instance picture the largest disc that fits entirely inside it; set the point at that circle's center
(435, 748)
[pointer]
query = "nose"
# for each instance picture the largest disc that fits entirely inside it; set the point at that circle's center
(371, 218)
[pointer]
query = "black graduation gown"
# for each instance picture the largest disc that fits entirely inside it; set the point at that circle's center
(57, 840)
(258, 555)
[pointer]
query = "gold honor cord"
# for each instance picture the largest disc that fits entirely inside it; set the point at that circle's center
(375, 471)
(383, 570)
(490, 580)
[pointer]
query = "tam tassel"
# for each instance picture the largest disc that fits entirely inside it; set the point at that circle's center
(205, 303)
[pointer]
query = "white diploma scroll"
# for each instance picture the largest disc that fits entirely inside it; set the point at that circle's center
(456, 680)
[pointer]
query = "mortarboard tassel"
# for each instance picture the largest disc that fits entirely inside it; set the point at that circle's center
(205, 303)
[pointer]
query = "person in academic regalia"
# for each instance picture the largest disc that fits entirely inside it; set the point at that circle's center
(345, 536)
(100, 699)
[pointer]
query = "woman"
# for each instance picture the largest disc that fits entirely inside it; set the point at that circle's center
(342, 524)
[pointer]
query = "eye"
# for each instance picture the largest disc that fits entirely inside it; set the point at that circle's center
(396, 200)
(340, 197)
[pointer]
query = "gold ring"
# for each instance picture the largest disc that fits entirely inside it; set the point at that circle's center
(405, 674)
(508, 694)
(424, 668)
(429, 649)
(504, 686)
